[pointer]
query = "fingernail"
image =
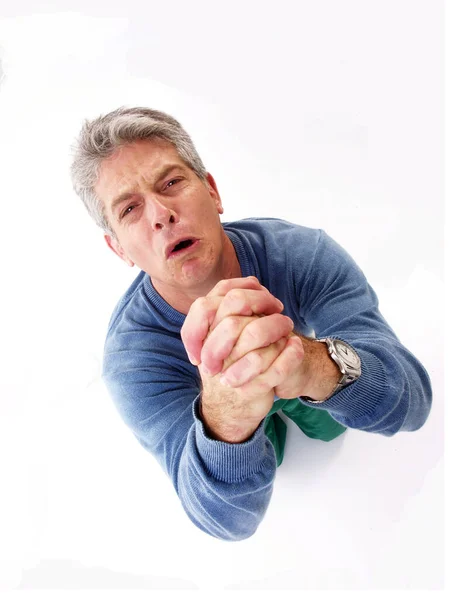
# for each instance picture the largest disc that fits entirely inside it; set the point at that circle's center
(224, 381)
(193, 360)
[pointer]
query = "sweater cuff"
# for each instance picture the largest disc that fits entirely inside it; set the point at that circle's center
(360, 399)
(231, 462)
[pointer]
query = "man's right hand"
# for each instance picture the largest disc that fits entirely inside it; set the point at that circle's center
(232, 415)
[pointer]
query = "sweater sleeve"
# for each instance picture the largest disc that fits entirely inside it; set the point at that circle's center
(224, 488)
(393, 392)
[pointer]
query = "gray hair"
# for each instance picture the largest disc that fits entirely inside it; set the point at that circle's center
(100, 138)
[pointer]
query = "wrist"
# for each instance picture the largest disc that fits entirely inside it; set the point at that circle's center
(229, 432)
(321, 374)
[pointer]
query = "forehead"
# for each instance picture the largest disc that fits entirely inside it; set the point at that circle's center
(134, 164)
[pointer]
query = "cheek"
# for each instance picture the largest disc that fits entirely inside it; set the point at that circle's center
(136, 245)
(210, 213)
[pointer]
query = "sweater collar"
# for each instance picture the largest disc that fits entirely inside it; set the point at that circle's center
(173, 315)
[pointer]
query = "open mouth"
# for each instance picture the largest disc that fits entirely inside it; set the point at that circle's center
(182, 246)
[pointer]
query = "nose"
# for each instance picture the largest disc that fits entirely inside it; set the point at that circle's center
(160, 214)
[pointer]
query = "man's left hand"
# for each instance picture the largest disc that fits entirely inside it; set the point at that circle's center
(312, 373)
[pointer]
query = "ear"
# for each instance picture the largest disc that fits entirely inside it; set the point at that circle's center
(214, 192)
(118, 249)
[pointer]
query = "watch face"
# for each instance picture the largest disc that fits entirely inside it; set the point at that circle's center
(347, 354)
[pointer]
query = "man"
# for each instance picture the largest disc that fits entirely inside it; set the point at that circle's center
(216, 333)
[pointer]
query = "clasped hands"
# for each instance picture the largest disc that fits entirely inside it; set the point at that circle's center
(236, 334)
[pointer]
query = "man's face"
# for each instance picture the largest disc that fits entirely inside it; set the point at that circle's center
(152, 201)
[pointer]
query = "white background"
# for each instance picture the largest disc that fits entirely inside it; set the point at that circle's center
(329, 114)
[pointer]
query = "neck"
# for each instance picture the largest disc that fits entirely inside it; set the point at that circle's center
(227, 268)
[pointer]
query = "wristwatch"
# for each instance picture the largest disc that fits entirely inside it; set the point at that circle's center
(347, 360)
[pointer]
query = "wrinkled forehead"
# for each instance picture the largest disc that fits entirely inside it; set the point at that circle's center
(132, 164)
(134, 156)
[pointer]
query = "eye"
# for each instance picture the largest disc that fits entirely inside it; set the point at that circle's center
(172, 181)
(127, 211)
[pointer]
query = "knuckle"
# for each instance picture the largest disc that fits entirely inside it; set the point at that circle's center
(256, 360)
(281, 343)
(233, 324)
(235, 296)
(202, 303)
(261, 331)
(253, 331)
(221, 287)
(199, 306)
(278, 371)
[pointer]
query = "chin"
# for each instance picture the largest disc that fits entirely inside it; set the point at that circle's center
(193, 276)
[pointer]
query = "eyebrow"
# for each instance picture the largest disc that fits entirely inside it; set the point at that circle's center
(126, 195)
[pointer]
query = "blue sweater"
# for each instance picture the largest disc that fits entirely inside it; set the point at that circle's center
(226, 488)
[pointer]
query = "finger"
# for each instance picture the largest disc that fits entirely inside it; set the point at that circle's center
(196, 326)
(225, 285)
(252, 364)
(220, 342)
(260, 333)
(236, 336)
(202, 312)
(247, 302)
(286, 363)
(279, 370)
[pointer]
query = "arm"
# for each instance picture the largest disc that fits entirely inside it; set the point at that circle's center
(326, 291)
(224, 487)
(394, 392)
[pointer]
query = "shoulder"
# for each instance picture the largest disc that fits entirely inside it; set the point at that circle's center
(128, 301)
(272, 229)
(134, 324)
(275, 238)
(140, 337)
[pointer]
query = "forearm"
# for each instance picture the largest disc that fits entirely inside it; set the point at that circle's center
(225, 488)
(392, 394)
(221, 413)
